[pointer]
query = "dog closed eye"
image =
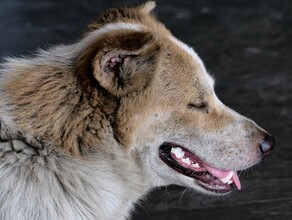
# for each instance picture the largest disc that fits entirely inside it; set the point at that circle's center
(197, 106)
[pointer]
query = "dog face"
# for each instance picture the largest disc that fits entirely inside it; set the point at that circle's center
(169, 118)
(188, 135)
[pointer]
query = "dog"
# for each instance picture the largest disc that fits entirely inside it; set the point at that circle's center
(88, 129)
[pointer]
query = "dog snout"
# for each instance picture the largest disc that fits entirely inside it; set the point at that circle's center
(267, 145)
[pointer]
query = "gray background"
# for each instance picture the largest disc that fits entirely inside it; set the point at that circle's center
(246, 44)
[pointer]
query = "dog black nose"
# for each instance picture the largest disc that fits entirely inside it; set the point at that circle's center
(267, 145)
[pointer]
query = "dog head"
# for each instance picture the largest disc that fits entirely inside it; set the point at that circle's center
(168, 117)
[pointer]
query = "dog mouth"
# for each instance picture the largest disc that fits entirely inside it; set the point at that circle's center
(188, 164)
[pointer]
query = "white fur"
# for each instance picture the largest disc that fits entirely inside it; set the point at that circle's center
(40, 183)
(104, 30)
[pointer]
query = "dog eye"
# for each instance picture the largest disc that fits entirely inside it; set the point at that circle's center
(199, 106)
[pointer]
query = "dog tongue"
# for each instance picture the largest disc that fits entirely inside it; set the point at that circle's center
(223, 173)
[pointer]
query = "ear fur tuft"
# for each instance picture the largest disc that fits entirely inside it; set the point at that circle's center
(148, 7)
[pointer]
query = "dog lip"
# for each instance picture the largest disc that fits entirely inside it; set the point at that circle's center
(205, 178)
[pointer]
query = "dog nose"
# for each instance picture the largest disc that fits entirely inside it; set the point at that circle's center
(267, 145)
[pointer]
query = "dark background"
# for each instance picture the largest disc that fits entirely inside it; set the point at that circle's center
(246, 44)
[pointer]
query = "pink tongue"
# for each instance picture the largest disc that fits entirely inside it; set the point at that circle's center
(223, 173)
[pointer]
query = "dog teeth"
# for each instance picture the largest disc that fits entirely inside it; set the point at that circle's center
(227, 178)
(186, 160)
(178, 152)
(229, 182)
(195, 165)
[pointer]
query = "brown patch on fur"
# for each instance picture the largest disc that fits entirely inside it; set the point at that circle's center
(48, 103)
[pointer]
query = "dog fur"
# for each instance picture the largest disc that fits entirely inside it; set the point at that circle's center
(81, 124)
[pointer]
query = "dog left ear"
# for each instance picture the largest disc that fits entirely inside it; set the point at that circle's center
(129, 66)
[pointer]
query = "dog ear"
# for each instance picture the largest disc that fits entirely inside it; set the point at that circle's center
(129, 65)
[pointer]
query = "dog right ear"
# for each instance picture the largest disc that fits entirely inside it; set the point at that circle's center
(123, 62)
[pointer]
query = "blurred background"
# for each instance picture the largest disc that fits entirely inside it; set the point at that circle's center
(245, 44)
